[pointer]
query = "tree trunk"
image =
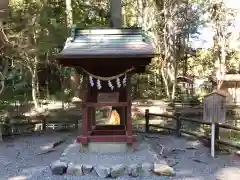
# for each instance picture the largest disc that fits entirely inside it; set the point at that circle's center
(75, 83)
(37, 87)
(4, 61)
(75, 78)
(34, 88)
(115, 13)
(185, 42)
(178, 55)
(170, 61)
(165, 82)
(69, 13)
(3, 75)
(2, 83)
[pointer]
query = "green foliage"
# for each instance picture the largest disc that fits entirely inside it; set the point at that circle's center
(4, 105)
(202, 64)
(201, 96)
(64, 95)
(90, 14)
(15, 88)
(148, 85)
(194, 100)
(39, 29)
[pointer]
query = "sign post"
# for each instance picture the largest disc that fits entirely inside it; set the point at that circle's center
(214, 111)
(213, 140)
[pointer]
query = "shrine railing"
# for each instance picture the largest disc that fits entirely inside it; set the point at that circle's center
(179, 131)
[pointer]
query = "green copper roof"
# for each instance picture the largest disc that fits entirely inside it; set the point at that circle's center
(108, 42)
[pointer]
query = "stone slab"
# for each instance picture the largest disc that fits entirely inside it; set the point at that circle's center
(143, 153)
(107, 147)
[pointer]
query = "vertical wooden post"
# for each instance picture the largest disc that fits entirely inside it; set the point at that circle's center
(216, 136)
(44, 124)
(122, 116)
(89, 121)
(129, 115)
(1, 127)
(93, 111)
(126, 116)
(85, 108)
(7, 126)
(178, 125)
(147, 120)
(76, 123)
(129, 121)
(84, 120)
(213, 140)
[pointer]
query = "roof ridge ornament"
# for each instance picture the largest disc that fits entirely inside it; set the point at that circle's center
(73, 31)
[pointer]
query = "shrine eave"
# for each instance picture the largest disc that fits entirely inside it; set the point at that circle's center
(107, 43)
(103, 56)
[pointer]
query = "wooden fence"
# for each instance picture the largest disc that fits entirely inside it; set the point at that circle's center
(179, 130)
(39, 124)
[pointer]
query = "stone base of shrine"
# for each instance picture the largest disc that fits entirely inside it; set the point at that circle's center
(107, 138)
(107, 143)
(104, 144)
(107, 147)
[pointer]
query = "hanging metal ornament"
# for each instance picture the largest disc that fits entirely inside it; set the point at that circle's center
(91, 81)
(118, 82)
(124, 81)
(110, 85)
(99, 86)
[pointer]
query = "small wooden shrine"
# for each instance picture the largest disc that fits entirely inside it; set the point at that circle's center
(230, 85)
(186, 84)
(107, 58)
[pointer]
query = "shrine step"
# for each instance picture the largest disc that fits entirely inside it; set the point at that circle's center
(108, 132)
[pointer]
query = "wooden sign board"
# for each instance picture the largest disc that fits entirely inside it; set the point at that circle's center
(112, 97)
(214, 108)
(214, 111)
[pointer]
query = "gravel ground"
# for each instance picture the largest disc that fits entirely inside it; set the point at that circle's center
(191, 160)
(19, 157)
(21, 154)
